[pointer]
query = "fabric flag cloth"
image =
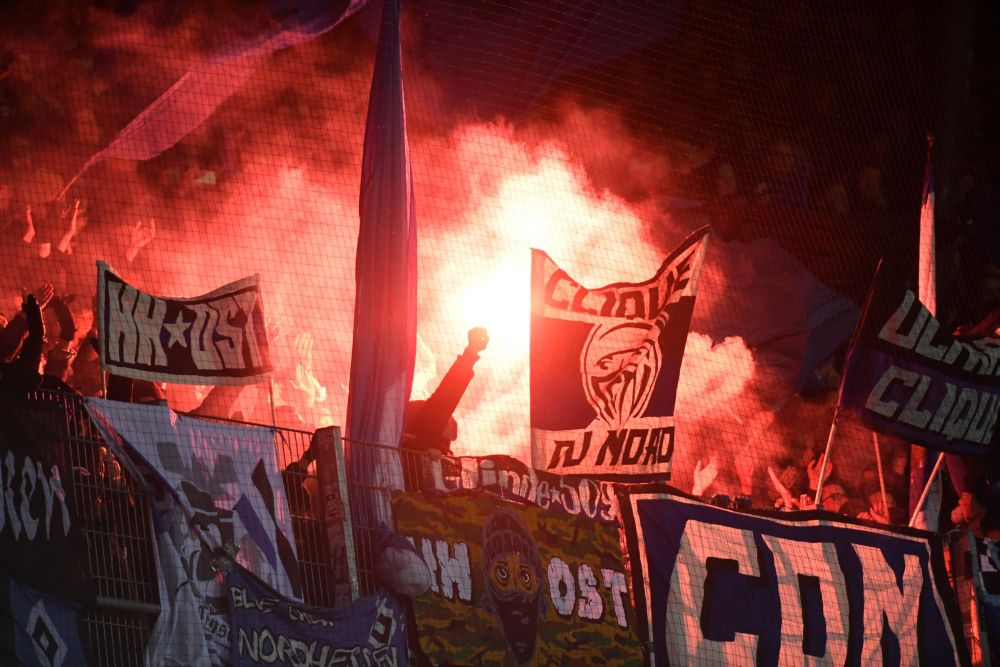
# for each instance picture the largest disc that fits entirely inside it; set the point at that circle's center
(516, 584)
(38, 629)
(605, 364)
(716, 586)
(219, 493)
(989, 567)
(385, 307)
(791, 315)
(921, 465)
(906, 377)
(512, 479)
(41, 543)
(791, 320)
(215, 338)
(269, 628)
(196, 95)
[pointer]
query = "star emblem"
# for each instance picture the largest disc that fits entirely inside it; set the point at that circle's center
(177, 329)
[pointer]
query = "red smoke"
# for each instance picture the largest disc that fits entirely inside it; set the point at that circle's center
(270, 184)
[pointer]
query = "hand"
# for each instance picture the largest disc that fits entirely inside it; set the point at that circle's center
(29, 232)
(704, 475)
(969, 511)
(812, 469)
(305, 381)
(477, 340)
(42, 295)
(786, 495)
(141, 235)
(876, 512)
(74, 227)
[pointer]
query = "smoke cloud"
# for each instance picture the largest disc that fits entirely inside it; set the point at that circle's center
(269, 185)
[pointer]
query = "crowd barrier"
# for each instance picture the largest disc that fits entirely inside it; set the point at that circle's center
(114, 513)
(114, 509)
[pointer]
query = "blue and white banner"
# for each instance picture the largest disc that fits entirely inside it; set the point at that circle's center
(38, 629)
(907, 377)
(220, 493)
(715, 586)
(989, 567)
(605, 364)
(270, 629)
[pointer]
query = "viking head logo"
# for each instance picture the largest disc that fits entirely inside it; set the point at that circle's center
(512, 569)
(620, 364)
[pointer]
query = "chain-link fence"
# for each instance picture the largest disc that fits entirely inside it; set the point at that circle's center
(114, 514)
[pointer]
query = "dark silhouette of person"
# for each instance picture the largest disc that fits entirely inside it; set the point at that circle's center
(513, 574)
(20, 375)
(430, 425)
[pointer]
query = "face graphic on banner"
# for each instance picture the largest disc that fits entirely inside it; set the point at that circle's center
(620, 364)
(512, 569)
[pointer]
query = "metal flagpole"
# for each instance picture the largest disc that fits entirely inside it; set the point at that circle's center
(826, 454)
(927, 489)
(270, 396)
(840, 392)
(927, 293)
(881, 477)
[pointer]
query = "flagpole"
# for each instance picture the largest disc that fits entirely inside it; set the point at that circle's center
(927, 489)
(881, 477)
(840, 392)
(927, 293)
(270, 396)
(826, 452)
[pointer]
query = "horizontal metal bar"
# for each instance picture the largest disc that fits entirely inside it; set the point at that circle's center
(131, 606)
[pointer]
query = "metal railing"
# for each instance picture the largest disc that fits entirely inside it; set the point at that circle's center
(374, 473)
(114, 515)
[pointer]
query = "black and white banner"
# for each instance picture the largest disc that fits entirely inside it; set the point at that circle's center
(40, 539)
(605, 364)
(221, 491)
(715, 586)
(908, 377)
(216, 338)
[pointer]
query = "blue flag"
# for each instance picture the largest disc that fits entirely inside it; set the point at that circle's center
(196, 95)
(268, 628)
(38, 628)
(385, 307)
(790, 319)
(714, 586)
(908, 377)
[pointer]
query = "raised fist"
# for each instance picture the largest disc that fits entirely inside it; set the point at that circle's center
(478, 339)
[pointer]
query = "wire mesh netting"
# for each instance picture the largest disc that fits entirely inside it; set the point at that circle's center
(601, 133)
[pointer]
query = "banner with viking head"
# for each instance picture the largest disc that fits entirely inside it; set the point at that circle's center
(513, 584)
(605, 364)
(216, 338)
